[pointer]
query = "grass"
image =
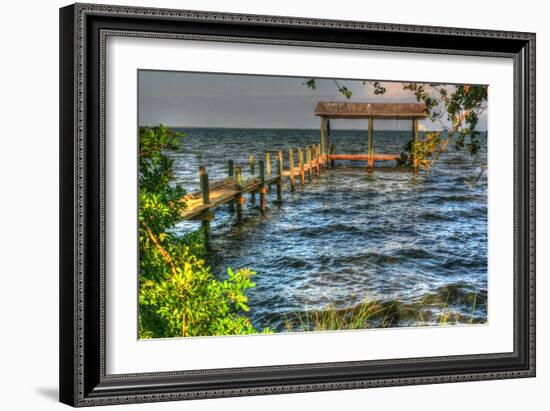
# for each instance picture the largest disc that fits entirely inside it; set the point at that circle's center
(332, 318)
(377, 314)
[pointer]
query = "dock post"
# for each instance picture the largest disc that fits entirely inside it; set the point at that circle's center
(205, 190)
(328, 148)
(308, 162)
(332, 151)
(267, 163)
(231, 175)
(252, 172)
(414, 160)
(291, 169)
(280, 179)
(370, 163)
(263, 188)
(239, 199)
(316, 159)
(301, 163)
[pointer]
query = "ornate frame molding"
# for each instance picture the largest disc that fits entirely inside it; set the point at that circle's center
(83, 378)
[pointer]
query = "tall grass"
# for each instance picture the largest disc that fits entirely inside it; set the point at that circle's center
(376, 314)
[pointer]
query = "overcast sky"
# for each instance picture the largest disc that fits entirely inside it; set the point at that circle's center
(227, 100)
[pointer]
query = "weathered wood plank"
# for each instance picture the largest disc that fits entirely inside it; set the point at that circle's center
(213, 185)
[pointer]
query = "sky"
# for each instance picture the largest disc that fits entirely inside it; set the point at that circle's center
(189, 99)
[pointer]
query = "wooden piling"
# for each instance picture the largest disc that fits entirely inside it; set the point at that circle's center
(301, 164)
(231, 174)
(332, 151)
(268, 163)
(205, 190)
(291, 169)
(263, 188)
(323, 126)
(251, 164)
(308, 162)
(239, 197)
(414, 160)
(280, 166)
(370, 162)
(316, 159)
(252, 169)
(320, 158)
(328, 150)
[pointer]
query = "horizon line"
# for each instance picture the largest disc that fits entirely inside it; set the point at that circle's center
(280, 128)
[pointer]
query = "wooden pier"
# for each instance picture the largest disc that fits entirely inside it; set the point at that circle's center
(303, 163)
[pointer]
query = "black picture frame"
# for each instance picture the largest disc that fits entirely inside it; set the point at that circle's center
(83, 29)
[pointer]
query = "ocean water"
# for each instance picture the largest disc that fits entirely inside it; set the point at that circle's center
(418, 241)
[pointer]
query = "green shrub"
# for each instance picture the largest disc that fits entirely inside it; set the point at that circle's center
(178, 294)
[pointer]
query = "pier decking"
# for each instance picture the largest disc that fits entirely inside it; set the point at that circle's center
(233, 189)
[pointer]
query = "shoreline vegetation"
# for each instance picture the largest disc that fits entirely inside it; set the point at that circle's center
(432, 310)
(180, 296)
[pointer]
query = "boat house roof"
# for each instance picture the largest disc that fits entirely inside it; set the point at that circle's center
(351, 111)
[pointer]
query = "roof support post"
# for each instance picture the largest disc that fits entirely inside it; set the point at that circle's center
(327, 148)
(323, 125)
(414, 160)
(370, 162)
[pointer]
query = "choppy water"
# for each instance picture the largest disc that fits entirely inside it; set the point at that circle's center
(349, 235)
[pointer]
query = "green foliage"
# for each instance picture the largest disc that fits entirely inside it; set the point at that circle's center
(310, 84)
(378, 88)
(346, 92)
(190, 302)
(460, 109)
(178, 295)
(422, 152)
(159, 200)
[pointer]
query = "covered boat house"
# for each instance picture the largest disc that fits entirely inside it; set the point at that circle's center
(370, 111)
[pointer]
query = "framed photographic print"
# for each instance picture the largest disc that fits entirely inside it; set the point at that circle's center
(262, 204)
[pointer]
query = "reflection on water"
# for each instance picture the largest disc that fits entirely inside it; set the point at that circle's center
(349, 236)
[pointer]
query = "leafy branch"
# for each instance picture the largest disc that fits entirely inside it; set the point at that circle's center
(178, 294)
